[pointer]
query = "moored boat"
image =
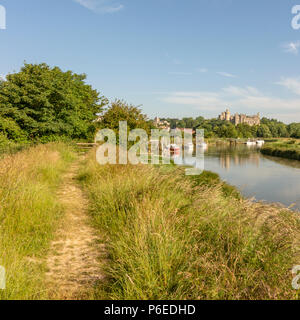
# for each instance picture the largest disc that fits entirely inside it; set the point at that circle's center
(202, 145)
(251, 143)
(173, 148)
(189, 146)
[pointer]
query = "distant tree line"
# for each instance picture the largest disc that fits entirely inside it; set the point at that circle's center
(42, 104)
(215, 128)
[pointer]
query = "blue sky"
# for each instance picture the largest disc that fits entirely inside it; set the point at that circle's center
(176, 58)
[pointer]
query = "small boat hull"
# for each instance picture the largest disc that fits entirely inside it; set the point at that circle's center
(173, 149)
(202, 145)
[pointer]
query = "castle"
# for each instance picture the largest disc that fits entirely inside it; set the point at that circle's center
(240, 118)
(161, 124)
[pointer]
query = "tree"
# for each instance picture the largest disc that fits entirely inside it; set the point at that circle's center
(294, 130)
(227, 131)
(46, 103)
(244, 131)
(264, 131)
(277, 128)
(282, 130)
(121, 111)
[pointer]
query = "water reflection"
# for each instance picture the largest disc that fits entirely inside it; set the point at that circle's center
(237, 156)
(262, 177)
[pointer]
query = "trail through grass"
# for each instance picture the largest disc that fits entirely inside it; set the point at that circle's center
(29, 215)
(74, 262)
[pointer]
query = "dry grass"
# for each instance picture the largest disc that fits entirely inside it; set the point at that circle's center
(170, 237)
(74, 260)
(29, 214)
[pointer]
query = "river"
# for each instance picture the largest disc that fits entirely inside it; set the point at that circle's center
(257, 176)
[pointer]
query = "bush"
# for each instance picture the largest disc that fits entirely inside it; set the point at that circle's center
(39, 102)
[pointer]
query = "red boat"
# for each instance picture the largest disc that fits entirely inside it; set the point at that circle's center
(174, 149)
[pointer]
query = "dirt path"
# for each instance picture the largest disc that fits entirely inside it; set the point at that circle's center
(74, 263)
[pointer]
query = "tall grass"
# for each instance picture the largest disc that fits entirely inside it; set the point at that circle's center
(289, 149)
(171, 238)
(29, 214)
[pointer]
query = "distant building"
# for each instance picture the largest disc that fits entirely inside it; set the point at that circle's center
(162, 124)
(240, 118)
(99, 119)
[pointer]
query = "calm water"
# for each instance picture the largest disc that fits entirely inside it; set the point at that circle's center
(262, 177)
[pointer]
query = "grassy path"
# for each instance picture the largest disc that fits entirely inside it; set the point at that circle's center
(74, 260)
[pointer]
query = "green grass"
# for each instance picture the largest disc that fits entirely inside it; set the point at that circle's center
(29, 215)
(11, 148)
(172, 237)
(289, 149)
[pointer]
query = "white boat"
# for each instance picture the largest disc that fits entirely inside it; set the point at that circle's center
(189, 146)
(250, 143)
(202, 145)
(260, 142)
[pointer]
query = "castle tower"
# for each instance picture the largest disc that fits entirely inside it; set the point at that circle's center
(236, 119)
(227, 115)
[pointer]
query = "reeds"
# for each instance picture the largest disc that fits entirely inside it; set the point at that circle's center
(171, 238)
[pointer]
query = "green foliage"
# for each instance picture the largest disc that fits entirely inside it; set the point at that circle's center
(214, 128)
(211, 179)
(264, 131)
(121, 111)
(287, 149)
(11, 130)
(227, 130)
(40, 101)
(294, 130)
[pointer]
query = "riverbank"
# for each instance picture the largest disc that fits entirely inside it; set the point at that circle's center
(289, 149)
(170, 236)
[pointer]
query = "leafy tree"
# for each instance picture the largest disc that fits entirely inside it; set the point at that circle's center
(244, 131)
(45, 103)
(264, 131)
(11, 131)
(277, 128)
(294, 130)
(121, 111)
(227, 131)
(282, 130)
